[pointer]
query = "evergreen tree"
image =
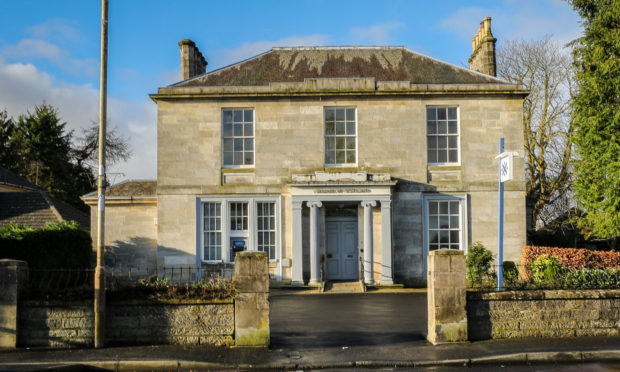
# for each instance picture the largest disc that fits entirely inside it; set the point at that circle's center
(597, 118)
(38, 148)
(7, 128)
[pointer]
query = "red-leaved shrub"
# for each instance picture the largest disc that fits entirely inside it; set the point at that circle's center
(573, 258)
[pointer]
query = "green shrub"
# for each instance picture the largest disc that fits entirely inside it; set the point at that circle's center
(62, 245)
(591, 278)
(511, 273)
(546, 270)
(163, 290)
(478, 262)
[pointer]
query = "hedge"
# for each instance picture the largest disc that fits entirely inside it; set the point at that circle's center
(62, 245)
(572, 258)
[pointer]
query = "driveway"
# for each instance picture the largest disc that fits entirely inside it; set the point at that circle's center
(342, 320)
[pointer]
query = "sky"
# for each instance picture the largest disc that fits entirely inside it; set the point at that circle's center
(49, 50)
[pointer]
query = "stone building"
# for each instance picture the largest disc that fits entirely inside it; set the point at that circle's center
(342, 163)
(130, 234)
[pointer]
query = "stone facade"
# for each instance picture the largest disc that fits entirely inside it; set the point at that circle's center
(289, 140)
(548, 313)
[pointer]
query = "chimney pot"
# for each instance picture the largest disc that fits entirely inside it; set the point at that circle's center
(487, 25)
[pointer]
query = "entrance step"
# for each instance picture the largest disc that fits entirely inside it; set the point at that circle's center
(343, 287)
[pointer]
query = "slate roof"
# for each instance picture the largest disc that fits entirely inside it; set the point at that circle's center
(36, 209)
(33, 206)
(25, 208)
(295, 64)
(129, 188)
(11, 179)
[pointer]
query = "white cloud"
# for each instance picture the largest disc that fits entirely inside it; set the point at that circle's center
(378, 34)
(22, 86)
(56, 29)
(34, 48)
(247, 50)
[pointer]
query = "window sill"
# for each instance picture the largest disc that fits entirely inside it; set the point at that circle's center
(238, 170)
(332, 168)
(446, 167)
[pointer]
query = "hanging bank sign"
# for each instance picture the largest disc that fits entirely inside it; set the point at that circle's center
(506, 165)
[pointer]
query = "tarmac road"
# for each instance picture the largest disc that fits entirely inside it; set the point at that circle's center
(345, 320)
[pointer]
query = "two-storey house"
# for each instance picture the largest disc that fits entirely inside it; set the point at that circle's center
(342, 163)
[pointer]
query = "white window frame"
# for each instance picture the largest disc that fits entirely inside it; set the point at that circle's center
(458, 135)
(231, 166)
(462, 199)
(275, 227)
(252, 231)
(202, 226)
(341, 165)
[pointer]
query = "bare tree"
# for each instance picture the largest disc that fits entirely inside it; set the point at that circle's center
(117, 147)
(545, 69)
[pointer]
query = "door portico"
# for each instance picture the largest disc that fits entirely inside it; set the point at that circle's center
(367, 193)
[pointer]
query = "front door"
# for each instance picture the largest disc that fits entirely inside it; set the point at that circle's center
(342, 253)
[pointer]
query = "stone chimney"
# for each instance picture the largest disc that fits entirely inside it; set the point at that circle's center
(192, 61)
(483, 49)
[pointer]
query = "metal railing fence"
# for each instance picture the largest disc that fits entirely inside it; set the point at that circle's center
(79, 283)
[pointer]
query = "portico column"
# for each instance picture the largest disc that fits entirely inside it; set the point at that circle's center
(386, 242)
(368, 259)
(314, 240)
(298, 264)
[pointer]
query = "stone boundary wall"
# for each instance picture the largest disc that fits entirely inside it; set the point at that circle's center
(543, 313)
(242, 320)
(210, 323)
(56, 326)
(447, 317)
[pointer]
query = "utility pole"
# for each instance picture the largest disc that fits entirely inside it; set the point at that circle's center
(99, 269)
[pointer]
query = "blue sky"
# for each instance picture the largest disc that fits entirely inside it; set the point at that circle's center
(49, 50)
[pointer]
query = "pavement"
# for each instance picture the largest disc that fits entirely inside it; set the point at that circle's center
(363, 331)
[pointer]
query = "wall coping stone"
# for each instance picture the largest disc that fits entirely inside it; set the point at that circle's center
(8, 262)
(561, 294)
(134, 302)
